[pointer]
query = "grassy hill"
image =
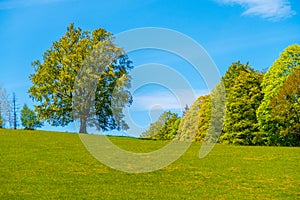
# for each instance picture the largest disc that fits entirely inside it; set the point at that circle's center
(50, 165)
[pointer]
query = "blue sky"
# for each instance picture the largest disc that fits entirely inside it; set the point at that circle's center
(230, 30)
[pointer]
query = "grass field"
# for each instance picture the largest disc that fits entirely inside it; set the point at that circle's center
(49, 165)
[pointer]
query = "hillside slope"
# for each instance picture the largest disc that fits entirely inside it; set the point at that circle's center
(50, 165)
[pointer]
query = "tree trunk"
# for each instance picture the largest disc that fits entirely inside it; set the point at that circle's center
(82, 125)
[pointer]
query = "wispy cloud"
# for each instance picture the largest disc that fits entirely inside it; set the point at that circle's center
(163, 100)
(11, 4)
(273, 10)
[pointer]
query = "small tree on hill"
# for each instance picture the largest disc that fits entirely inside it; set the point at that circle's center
(29, 119)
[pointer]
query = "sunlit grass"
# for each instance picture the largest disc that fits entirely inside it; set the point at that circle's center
(49, 165)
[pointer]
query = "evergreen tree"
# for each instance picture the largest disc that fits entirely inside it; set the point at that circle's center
(186, 108)
(14, 119)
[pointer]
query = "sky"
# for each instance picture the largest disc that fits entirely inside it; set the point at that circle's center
(253, 31)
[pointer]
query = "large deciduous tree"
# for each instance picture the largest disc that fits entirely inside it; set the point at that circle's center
(273, 81)
(286, 110)
(101, 85)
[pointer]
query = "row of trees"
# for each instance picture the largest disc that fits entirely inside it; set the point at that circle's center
(10, 111)
(261, 108)
(84, 76)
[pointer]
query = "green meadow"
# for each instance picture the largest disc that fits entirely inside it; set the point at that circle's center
(51, 165)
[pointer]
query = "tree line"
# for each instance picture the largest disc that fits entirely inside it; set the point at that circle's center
(84, 77)
(262, 108)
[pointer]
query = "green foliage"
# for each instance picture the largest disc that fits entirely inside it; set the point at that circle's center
(272, 83)
(204, 117)
(243, 96)
(286, 110)
(165, 128)
(29, 118)
(261, 109)
(50, 165)
(170, 128)
(188, 128)
(155, 127)
(217, 115)
(102, 62)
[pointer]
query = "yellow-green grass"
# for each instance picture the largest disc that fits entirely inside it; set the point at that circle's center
(50, 165)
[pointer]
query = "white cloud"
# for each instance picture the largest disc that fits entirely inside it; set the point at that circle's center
(273, 10)
(11, 4)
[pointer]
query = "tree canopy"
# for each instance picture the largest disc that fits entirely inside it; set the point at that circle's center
(261, 108)
(272, 83)
(243, 96)
(165, 128)
(61, 67)
(286, 109)
(29, 119)
(188, 127)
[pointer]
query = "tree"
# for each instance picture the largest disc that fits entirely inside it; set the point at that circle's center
(15, 110)
(204, 120)
(97, 93)
(186, 108)
(4, 107)
(272, 82)
(170, 127)
(29, 119)
(286, 110)
(243, 96)
(189, 125)
(156, 127)
(217, 113)
(204, 117)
